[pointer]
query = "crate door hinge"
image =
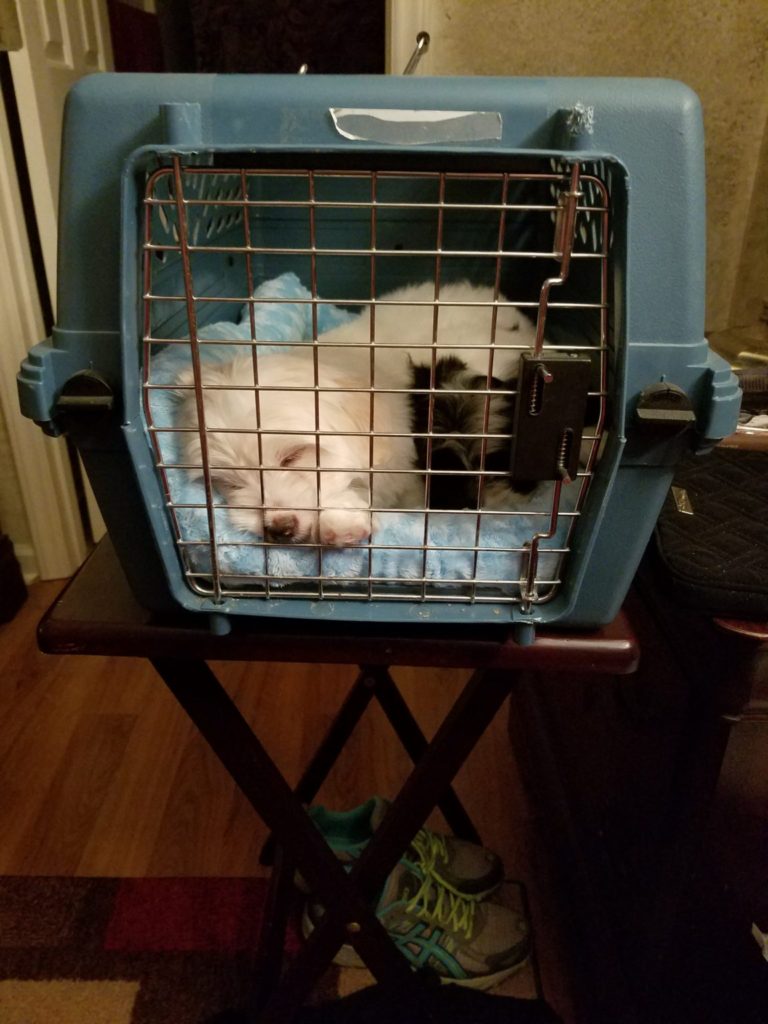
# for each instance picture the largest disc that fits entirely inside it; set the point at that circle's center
(85, 404)
(664, 410)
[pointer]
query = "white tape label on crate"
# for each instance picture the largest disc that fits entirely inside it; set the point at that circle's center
(416, 127)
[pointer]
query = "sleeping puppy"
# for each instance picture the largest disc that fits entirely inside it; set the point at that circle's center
(278, 477)
(324, 437)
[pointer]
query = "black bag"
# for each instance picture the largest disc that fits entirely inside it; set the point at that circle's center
(13, 591)
(712, 534)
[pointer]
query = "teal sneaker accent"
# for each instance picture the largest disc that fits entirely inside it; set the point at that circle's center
(463, 868)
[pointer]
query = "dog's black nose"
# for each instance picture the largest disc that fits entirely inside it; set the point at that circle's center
(281, 526)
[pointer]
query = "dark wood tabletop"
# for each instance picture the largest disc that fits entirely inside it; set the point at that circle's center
(96, 613)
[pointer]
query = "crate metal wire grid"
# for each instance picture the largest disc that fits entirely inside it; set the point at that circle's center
(193, 211)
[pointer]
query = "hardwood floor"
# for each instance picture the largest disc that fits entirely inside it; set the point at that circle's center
(102, 774)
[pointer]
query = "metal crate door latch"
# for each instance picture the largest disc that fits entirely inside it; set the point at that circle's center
(549, 417)
(553, 387)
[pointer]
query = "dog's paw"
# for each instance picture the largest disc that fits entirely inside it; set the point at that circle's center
(342, 527)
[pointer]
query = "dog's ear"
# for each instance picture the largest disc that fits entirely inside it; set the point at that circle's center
(420, 375)
(420, 381)
(479, 383)
(227, 464)
(185, 379)
(211, 373)
(445, 368)
(448, 456)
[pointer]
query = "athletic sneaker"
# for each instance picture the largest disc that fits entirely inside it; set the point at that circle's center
(476, 945)
(463, 868)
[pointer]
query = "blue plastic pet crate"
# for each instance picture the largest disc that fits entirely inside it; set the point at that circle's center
(580, 200)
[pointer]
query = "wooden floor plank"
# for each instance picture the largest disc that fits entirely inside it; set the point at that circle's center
(68, 811)
(124, 837)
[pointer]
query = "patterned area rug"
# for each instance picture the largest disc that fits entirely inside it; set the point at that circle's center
(140, 951)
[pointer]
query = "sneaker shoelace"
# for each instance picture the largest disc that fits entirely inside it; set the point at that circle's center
(432, 901)
(430, 848)
(438, 905)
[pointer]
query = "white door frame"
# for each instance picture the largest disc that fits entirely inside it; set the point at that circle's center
(62, 41)
(42, 463)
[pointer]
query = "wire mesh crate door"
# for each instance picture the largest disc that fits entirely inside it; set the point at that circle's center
(287, 260)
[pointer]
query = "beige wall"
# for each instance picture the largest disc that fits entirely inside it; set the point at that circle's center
(720, 49)
(10, 33)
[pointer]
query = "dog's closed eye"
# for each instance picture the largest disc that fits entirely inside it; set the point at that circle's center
(292, 455)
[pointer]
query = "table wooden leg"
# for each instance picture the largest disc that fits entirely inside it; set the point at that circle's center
(347, 899)
(374, 682)
(232, 740)
(467, 720)
(341, 728)
(268, 963)
(414, 741)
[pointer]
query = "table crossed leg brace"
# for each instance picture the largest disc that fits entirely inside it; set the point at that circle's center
(346, 897)
(374, 682)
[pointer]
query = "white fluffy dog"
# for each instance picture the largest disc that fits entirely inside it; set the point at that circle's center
(308, 465)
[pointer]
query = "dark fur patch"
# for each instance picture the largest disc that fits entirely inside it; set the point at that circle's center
(454, 414)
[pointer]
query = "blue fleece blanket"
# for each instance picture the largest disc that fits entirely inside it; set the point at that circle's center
(395, 532)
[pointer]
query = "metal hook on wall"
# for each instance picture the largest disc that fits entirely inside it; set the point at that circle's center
(422, 45)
